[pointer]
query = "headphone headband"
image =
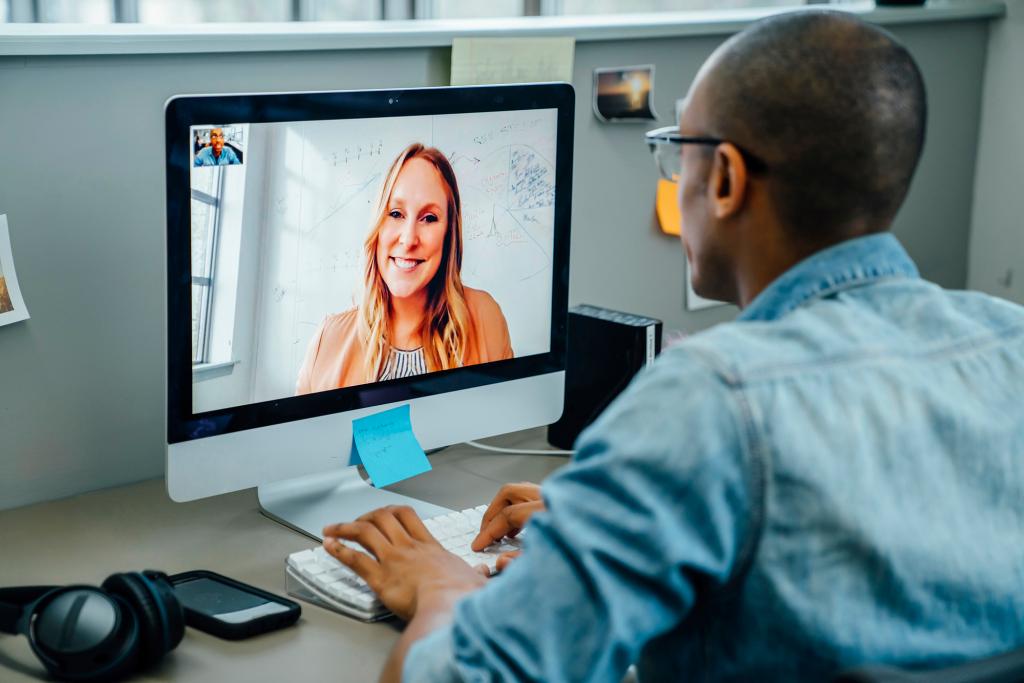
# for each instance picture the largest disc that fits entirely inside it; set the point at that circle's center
(13, 602)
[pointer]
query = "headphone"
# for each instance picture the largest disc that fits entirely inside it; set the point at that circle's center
(84, 633)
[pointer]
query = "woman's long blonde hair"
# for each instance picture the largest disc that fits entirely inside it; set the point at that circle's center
(446, 321)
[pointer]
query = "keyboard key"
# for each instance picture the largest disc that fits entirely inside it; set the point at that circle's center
(302, 557)
(342, 591)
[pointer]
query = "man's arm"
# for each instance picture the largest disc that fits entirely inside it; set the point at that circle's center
(408, 569)
(507, 514)
(657, 502)
(433, 614)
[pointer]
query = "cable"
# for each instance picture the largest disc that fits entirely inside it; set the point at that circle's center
(515, 451)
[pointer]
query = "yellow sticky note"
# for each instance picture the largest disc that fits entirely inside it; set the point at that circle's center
(669, 217)
(482, 61)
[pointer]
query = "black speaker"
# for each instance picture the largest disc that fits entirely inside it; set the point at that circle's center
(605, 349)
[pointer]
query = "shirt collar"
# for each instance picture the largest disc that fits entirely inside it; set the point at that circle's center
(852, 263)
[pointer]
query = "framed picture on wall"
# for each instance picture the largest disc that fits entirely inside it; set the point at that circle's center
(624, 93)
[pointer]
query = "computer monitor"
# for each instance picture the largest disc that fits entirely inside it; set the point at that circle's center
(335, 254)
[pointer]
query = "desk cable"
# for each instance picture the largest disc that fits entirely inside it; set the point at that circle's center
(515, 451)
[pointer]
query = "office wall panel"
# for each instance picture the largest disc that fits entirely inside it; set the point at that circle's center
(82, 182)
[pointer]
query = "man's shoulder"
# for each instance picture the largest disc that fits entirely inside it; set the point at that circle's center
(731, 350)
(693, 385)
(814, 334)
(900, 317)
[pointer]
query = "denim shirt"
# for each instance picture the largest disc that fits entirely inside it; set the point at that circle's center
(836, 478)
(206, 157)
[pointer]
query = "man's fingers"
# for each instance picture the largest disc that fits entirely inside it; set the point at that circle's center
(413, 524)
(507, 521)
(363, 532)
(519, 515)
(505, 559)
(386, 520)
(361, 563)
(510, 494)
(497, 528)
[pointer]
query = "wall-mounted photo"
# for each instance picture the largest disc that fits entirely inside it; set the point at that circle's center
(12, 306)
(624, 93)
(218, 145)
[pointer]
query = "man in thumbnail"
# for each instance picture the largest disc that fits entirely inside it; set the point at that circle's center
(416, 316)
(217, 153)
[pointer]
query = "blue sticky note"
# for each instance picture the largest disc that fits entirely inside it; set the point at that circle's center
(387, 448)
(353, 458)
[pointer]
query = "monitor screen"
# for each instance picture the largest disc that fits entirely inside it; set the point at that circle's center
(404, 253)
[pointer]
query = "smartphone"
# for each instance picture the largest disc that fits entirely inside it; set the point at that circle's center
(231, 609)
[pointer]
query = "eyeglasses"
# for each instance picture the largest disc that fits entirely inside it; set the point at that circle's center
(662, 143)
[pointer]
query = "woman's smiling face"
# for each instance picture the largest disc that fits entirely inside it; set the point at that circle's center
(411, 237)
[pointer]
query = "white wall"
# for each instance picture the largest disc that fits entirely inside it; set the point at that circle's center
(84, 381)
(996, 263)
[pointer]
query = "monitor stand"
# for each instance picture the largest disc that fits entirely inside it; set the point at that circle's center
(308, 504)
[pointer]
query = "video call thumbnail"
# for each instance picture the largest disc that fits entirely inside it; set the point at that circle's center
(218, 146)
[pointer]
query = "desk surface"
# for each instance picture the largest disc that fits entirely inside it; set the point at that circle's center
(85, 538)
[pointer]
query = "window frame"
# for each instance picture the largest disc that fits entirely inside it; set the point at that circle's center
(127, 11)
(201, 352)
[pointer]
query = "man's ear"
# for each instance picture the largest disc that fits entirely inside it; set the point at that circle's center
(728, 186)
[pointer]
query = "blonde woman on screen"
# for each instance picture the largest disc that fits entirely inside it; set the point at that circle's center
(416, 316)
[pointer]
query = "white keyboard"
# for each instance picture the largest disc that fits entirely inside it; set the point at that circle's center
(315, 576)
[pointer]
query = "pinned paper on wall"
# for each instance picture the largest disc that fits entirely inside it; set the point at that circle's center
(484, 61)
(12, 305)
(386, 446)
(667, 205)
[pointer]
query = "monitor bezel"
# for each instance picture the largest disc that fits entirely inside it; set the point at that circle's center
(183, 112)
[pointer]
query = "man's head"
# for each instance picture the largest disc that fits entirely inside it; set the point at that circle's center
(823, 117)
(217, 140)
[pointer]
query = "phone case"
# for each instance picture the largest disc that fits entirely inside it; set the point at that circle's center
(222, 629)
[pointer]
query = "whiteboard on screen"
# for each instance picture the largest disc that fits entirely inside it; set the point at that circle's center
(321, 185)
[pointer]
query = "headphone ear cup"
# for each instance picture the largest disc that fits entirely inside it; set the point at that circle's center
(159, 614)
(169, 596)
(112, 658)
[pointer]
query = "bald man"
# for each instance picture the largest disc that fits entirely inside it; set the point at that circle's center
(834, 478)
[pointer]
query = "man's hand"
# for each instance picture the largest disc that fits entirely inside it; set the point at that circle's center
(408, 568)
(507, 514)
